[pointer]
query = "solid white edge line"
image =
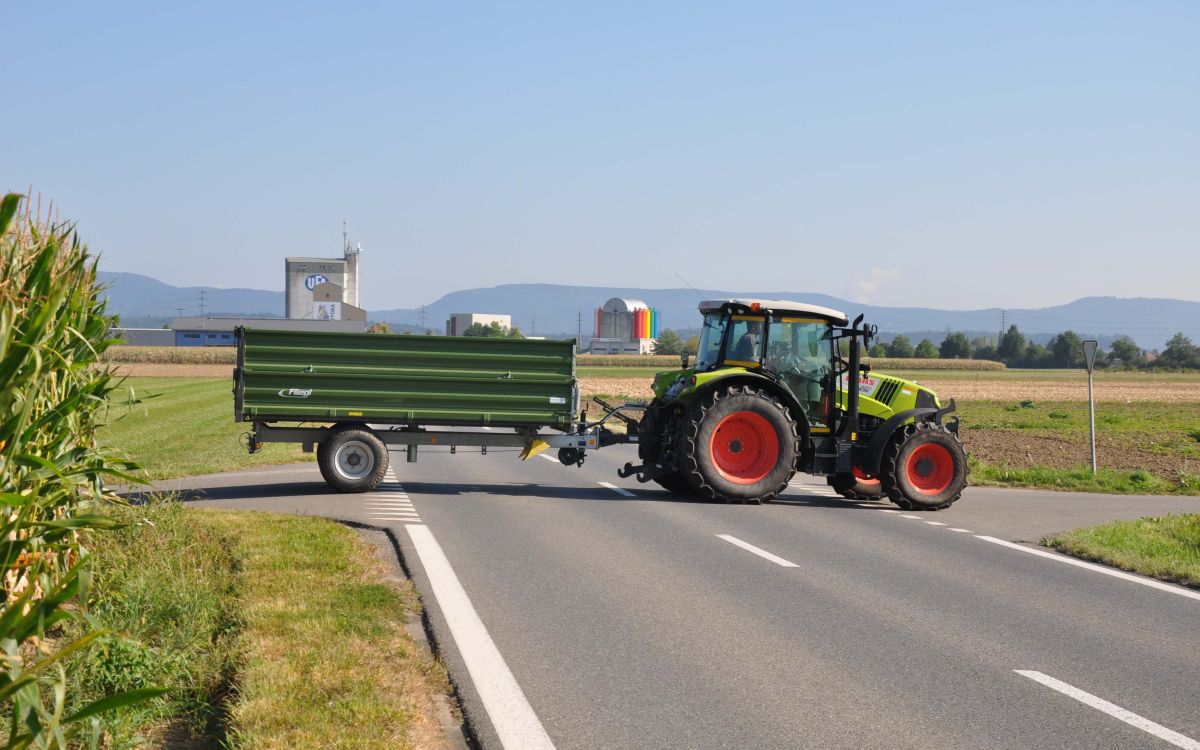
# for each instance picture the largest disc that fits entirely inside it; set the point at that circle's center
(513, 718)
(1097, 568)
(616, 489)
(760, 552)
(1113, 710)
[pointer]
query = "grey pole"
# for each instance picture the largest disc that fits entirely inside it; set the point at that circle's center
(1089, 355)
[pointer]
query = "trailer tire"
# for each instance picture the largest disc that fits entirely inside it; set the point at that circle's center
(353, 459)
(739, 445)
(924, 467)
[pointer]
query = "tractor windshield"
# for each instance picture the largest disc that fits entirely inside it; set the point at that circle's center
(709, 350)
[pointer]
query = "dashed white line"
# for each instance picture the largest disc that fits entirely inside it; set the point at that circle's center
(961, 531)
(1113, 710)
(888, 510)
(548, 457)
(760, 552)
(1097, 568)
(515, 722)
(908, 515)
(935, 523)
(616, 489)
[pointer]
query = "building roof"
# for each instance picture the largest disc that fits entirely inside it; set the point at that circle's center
(778, 306)
(300, 259)
(271, 324)
(620, 304)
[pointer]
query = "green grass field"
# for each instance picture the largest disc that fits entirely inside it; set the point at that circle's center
(182, 426)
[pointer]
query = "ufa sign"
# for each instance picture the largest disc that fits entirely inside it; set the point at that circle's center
(311, 282)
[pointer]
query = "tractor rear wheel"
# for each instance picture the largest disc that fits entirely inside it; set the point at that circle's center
(857, 486)
(924, 467)
(739, 445)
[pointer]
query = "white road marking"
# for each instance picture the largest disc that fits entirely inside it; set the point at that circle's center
(760, 552)
(961, 531)
(548, 457)
(889, 510)
(935, 523)
(513, 718)
(616, 489)
(1097, 568)
(908, 515)
(1113, 710)
(487, 428)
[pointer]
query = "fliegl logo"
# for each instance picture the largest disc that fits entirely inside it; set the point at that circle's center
(295, 392)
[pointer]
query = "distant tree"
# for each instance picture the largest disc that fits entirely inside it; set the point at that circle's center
(926, 350)
(1011, 347)
(878, 350)
(379, 327)
(1126, 352)
(1036, 355)
(1180, 352)
(900, 347)
(955, 346)
(493, 330)
(693, 344)
(1067, 348)
(985, 351)
(668, 342)
(166, 326)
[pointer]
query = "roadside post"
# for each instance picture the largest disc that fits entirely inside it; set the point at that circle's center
(1089, 355)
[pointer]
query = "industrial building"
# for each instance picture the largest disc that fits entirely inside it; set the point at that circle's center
(323, 288)
(459, 323)
(191, 331)
(625, 326)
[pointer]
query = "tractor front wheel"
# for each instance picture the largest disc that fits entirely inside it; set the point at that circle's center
(739, 445)
(924, 467)
(857, 486)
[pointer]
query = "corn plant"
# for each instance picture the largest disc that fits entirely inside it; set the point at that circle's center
(53, 328)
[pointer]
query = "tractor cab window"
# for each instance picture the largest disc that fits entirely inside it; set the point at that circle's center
(799, 350)
(745, 341)
(709, 350)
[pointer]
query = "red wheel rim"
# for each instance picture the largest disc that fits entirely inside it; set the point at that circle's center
(865, 478)
(930, 468)
(744, 447)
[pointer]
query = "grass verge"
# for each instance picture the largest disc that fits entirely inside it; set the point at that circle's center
(1167, 548)
(271, 631)
(1106, 481)
(178, 427)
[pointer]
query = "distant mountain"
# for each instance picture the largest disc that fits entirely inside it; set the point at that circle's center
(145, 302)
(551, 309)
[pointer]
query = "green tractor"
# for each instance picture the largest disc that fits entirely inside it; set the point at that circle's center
(779, 387)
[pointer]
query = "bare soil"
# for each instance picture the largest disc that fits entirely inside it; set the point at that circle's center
(1021, 448)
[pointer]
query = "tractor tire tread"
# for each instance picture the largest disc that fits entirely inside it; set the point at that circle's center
(889, 469)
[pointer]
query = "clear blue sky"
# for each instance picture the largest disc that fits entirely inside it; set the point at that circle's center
(943, 154)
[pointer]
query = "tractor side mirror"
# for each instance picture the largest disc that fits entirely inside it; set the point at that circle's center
(683, 360)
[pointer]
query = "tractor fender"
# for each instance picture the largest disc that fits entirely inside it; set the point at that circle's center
(883, 433)
(772, 386)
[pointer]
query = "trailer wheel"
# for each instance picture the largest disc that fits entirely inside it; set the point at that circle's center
(353, 459)
(739, 445)
(857, 486)
(924, 467)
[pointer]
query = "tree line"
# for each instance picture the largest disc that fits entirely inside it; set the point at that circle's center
(1013, 349)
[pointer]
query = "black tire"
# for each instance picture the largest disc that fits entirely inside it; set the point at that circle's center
(924, 467)
(353, 459)
(742, 411)
(853, 488)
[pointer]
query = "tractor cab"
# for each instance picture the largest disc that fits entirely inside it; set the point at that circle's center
(787, 341)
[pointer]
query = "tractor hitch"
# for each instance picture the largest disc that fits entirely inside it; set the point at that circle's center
(644, 472)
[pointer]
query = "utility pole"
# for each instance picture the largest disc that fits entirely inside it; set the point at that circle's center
(421, 311)
(579, 329)
(203, 301)
(1002, 326)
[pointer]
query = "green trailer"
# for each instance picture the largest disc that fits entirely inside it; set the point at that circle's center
(350, 396)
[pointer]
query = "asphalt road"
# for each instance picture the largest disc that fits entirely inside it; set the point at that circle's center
(632, 618)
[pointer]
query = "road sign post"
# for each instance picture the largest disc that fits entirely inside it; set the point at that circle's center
(1089, 356)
